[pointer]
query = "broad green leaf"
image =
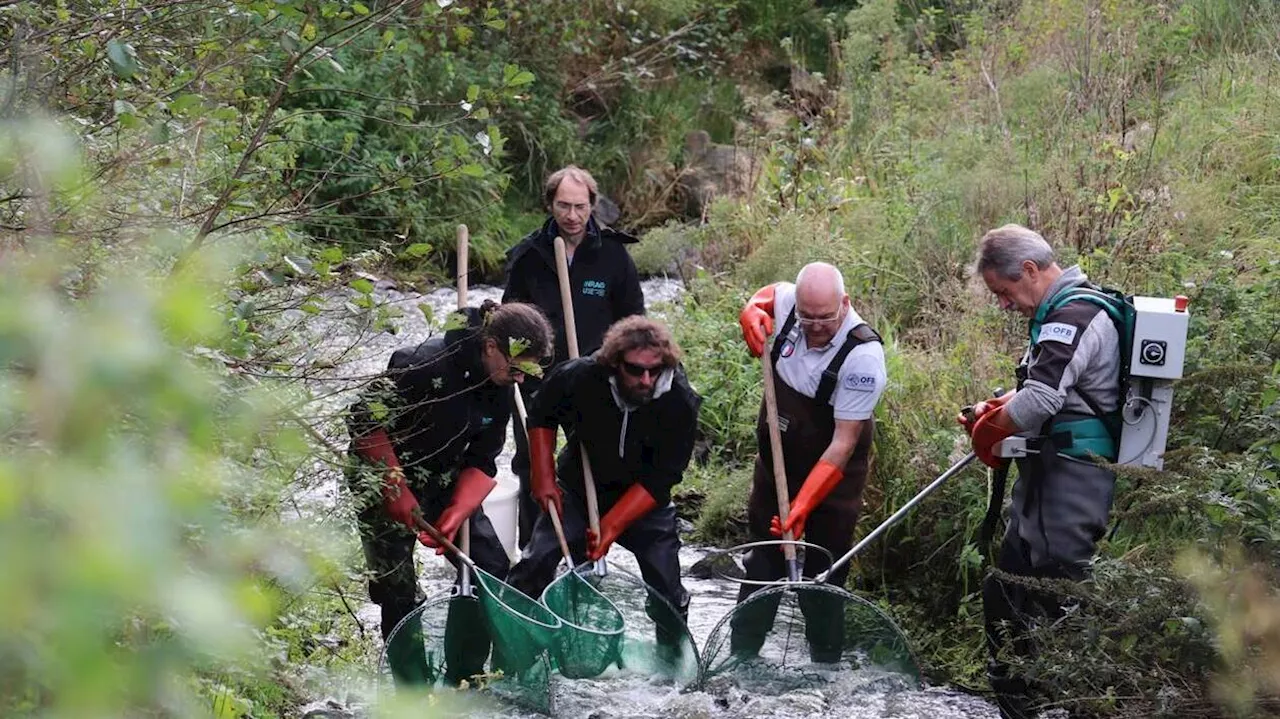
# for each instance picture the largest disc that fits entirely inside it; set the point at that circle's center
(418, 249)
(472, 169)
(480, 114)
(362, 286)
(159, 132)
(533, 369)
(463, 34)
(428, 312)
(182, 103)
(524, 77)
(331, 254)
(473, 92)
(359, 9)
(498, 24)
(124, 61)
(455, 321)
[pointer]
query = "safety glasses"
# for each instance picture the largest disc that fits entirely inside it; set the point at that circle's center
(635, 370)
(813, 321)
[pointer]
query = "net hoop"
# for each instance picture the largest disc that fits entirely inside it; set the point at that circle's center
(718, 637)
(768, 543)
(579, 572)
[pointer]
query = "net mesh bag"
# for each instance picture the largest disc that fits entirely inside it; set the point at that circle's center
(655, 641)
(787, 630)
(438, 648)
(591, 639)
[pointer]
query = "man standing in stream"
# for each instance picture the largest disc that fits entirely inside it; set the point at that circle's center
(1069, 396)
(630, 407)
(830, 372)
(603, 282)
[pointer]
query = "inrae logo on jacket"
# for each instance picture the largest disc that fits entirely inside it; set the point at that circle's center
(593, 287)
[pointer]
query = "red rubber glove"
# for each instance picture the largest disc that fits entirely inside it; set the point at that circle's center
(822, 479)
(398, 501)
(991, 427)
(542, 469)
(634, 504)
(982, 408)
(756, 319)
(468, 493)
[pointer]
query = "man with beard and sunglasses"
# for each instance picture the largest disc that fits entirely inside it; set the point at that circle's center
(630, 406)
(830, 372)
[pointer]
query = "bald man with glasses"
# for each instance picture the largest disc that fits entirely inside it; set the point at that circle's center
(830, 373)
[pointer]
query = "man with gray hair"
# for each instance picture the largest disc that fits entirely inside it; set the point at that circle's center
(604, 286)
(1067, 405)
(831, 373)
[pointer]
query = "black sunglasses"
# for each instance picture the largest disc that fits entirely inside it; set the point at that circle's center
(636, 370)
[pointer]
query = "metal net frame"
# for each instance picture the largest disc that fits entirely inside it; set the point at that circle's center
(793, 626)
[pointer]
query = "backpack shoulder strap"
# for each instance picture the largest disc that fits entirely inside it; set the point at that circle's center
(787, 325)
(1120, 311)
(858, 335)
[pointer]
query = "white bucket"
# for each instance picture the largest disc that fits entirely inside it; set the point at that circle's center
(501, 507)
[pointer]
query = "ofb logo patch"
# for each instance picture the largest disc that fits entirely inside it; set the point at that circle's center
(860, 382)
(1057, 332)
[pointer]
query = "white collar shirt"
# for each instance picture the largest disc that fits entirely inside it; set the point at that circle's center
(861, 379)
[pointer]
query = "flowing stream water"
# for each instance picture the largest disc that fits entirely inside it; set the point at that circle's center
(351, 352)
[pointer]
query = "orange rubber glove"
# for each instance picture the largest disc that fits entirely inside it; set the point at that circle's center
(981, 408)
(542, 469)
(821, 480)
(634, 504)
(469, 492)
(991, 427)
(397, 499)
(756, 319)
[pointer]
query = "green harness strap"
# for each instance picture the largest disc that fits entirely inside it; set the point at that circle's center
(1098, 435)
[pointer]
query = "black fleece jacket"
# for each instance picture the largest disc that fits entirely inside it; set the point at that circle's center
(650, 444)
(438, 407)
(602, 278)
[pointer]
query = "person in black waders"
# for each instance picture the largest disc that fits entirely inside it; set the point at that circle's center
(430, 430)
(603, 280)
(631, 406)
(830, 373)
(1068, 398)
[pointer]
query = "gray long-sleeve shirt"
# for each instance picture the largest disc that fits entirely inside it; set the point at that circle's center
(1077, 351)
